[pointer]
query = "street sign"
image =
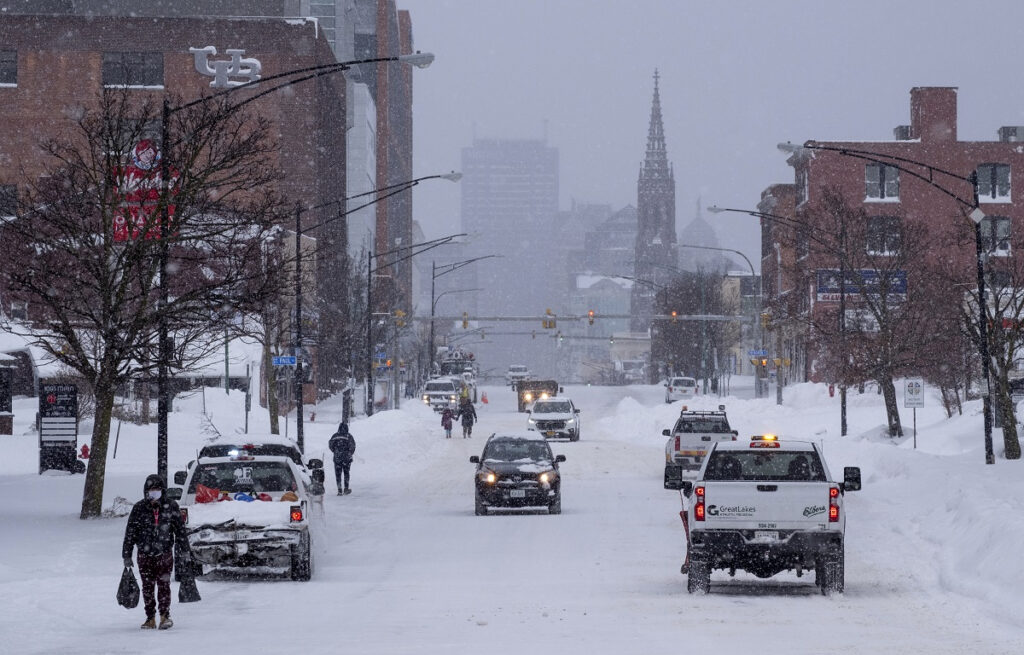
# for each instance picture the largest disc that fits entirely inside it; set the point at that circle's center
(284, 360)
(913, 393)
(758, 353)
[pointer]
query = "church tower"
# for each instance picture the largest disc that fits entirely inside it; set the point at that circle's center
(655, 250)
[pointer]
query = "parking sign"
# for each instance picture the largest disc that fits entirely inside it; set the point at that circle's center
(913, 393)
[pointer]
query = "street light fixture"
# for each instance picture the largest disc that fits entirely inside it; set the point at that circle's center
(436, 272)
(413, 250)
(420, 60)
(972, 211)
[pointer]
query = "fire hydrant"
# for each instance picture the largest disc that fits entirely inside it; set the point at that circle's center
(831, 391)
(85, 451)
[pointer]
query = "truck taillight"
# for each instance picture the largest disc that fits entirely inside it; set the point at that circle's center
(677, 442)
(698, 507)
(184, 515)
(833, 504)
(670, 389)
(296, 514)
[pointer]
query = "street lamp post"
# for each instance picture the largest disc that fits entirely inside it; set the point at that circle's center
(436, 272)
(412, 250)
(971, 210)
(419, 59)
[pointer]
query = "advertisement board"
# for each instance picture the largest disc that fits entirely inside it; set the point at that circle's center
(859, 283)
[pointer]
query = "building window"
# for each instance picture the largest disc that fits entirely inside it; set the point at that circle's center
(883, 236)
(881, 182)
(802, 192)
(8, 68)
(8, 200)
(19, 310)
(995, 235)
(994, 182)
(133, 69)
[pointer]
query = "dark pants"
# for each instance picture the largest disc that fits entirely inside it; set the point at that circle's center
(156, 570)
(341, 469)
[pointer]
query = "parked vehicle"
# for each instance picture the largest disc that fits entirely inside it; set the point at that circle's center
(252, 513)
(680, 388)
(517, 470)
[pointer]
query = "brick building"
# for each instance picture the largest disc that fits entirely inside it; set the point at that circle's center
(893, 201)
(52, 64)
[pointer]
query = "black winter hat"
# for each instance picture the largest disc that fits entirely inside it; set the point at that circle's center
(153, 481)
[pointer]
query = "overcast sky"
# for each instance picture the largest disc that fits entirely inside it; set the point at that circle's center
(736, 79)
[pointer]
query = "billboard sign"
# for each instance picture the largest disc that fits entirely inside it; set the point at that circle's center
(866, 281)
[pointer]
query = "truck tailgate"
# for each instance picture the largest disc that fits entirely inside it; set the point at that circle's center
(781, 505)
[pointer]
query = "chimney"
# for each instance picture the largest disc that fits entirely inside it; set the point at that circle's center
(933, 113)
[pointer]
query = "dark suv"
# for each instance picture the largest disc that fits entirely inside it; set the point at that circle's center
(517, 471)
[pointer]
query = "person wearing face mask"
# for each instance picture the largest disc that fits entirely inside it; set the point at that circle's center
(154, 526)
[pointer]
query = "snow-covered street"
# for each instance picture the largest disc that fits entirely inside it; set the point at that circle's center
(932, 544)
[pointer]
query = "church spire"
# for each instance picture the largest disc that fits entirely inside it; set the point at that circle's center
(656, 162)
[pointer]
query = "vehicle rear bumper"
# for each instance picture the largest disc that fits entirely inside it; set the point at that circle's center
(263, 548)
(740, 549)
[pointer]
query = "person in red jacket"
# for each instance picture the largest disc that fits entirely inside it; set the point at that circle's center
(446, 421)
(155, 527)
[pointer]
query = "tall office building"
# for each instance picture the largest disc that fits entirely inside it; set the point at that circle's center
(509, 207)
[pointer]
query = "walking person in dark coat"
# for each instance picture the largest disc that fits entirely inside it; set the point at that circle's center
(343, 445)
(155, 526)
(467, 413)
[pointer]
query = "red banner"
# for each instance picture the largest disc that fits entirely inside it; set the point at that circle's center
(140, 185)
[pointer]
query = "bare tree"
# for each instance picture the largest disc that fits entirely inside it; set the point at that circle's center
(888, 299)
(1004, 308)
(86, 243)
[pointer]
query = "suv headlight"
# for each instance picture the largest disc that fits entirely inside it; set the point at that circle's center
(490, 477)
(548, 477)
(570, 421)
(531, 420)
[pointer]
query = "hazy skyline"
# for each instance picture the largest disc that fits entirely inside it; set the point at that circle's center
(736, 79)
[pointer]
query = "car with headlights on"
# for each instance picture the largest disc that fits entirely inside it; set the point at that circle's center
(555, 417)
(439, 393)
(517, 471)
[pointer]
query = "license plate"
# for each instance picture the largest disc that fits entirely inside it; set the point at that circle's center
(517, 493)
(550, 433)
(766, 536)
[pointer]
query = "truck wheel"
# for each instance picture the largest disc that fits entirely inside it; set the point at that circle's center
(698, 580)
(302, 561)
(481, 509)
(834, 573)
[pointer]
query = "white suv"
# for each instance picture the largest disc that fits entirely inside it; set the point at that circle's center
(680, 388)
(555, 417)
(516, 372)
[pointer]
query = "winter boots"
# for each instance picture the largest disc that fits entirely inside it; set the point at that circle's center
(150, 624)
(165, 621)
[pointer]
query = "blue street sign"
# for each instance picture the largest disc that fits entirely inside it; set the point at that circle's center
(380, 354)
(757, 353)
(284, 360)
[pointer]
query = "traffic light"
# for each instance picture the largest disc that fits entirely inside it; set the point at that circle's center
(399, 318)
(465, 320)
(590, 317)
(764, 362)
(674, 315)
(549, 322)
(766, 320)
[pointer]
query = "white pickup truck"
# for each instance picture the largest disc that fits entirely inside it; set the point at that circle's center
(254, 513)
(767, 506)
(689, 440)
